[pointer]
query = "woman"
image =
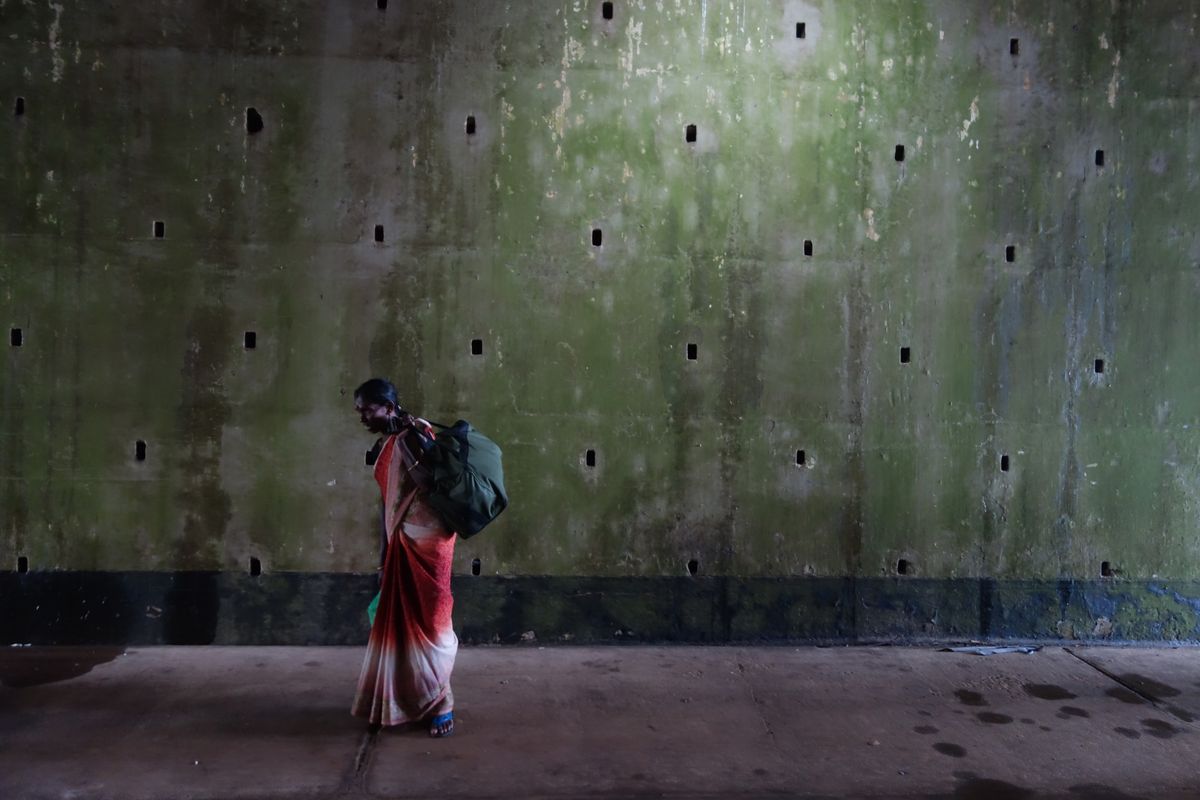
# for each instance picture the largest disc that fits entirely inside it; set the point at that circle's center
(406, 673)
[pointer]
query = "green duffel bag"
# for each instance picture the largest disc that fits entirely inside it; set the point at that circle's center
(468, 478)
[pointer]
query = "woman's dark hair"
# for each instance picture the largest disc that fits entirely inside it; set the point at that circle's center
(378, 391)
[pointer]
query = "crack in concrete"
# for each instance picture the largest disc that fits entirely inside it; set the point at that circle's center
(758, 705)
(1151, 699)
(356, 777)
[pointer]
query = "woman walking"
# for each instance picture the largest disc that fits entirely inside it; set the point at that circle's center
(406, 673)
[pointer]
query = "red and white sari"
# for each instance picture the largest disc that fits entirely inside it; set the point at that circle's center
(406, 673)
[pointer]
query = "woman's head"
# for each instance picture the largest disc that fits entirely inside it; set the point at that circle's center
(377, 405)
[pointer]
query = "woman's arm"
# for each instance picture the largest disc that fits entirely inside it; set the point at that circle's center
(414, 444)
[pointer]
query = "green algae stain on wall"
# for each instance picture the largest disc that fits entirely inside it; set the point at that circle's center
(578, 234)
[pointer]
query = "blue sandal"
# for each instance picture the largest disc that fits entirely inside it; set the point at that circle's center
(440, 721)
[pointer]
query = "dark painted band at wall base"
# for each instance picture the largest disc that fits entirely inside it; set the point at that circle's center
(148, 608)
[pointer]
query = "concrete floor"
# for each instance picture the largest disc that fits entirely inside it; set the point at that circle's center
(676, 722)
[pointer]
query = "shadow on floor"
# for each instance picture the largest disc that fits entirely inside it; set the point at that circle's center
(23, 667)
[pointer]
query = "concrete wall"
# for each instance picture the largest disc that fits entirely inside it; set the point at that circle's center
(788, 248)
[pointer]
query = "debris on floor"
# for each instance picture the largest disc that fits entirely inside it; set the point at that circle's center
(983, 650)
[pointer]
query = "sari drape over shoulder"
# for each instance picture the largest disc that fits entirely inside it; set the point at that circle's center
(406, 672)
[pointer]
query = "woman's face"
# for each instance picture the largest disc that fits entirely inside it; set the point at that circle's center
(374, 416)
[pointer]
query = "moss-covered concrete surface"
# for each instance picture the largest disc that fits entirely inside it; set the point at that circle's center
(1042, 221)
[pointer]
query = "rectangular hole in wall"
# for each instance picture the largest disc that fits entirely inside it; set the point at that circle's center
(1099, 366)
(1099, 158)
(589, 458)
(1004, 463)
(606, 10)
(477, 347)
(22, 564)
(690, 133)
(597, 237)
(902, 567)
(692, 351)
(471, 125)
(381, 5)
(15, 337)
(899, 152)
(476, 567)
(19, 107)
(139, 450)
(801, 458)
(1010, 253)
(808, 247)
(379, 233)
(1014, 47)
(250, 340)
(801, 30)
(255, 567)
(160, 229)
(905, 355)
(1105, 570)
